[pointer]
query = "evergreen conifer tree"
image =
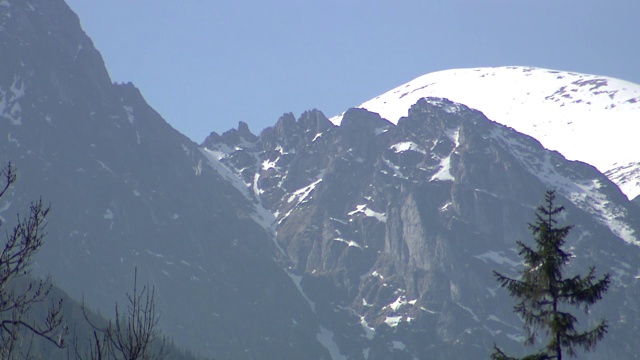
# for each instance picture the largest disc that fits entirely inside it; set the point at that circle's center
(545, 295)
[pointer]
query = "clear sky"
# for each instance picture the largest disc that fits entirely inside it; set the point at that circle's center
(204, 65)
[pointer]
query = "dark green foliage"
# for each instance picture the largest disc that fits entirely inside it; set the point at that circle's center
(544, 294)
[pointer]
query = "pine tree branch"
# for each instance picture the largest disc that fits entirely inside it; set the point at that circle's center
(542, 290)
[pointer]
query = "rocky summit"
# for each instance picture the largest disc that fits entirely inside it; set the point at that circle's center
(397, 227)
(585, 117)
(366, 238)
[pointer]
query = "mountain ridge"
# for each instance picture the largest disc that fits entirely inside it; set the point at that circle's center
(585, 117)
(395, 214)
(128, 190)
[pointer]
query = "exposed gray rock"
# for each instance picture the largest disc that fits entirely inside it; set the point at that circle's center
(398, 228)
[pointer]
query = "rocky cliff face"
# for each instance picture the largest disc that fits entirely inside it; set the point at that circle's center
(398, 227)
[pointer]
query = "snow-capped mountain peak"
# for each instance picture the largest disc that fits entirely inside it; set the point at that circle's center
(585, 117)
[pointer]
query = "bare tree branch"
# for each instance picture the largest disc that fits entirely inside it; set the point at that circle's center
(133, 335)
(16, 299)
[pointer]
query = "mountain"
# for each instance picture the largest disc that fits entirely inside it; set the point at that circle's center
(374, 239)
(584, 117)
(127, 190)
(397, 227)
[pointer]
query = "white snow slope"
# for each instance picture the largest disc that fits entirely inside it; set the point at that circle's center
(594, 119)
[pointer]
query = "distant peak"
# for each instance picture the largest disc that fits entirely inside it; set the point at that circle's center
(549, 105)
(243, 128)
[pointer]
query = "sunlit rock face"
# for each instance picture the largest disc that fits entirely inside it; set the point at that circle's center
(397, 227)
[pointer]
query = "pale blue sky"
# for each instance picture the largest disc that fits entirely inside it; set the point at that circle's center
(207, 64)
